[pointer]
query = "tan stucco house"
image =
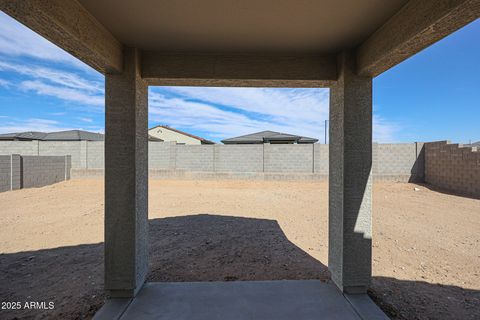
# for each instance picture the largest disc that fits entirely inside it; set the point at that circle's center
(169, 134)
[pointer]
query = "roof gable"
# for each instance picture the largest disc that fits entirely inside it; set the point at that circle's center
(205, 141)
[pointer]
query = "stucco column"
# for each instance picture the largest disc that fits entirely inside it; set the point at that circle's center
(350, 183)
(126, 179)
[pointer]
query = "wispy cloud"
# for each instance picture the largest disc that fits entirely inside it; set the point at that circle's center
(303, 105)
(4, 83)
(32, 124)
(224, 112)
(227, 112)
(86, 90)
(384, 131)
(89, 120)
(54, 76)
(18, 40)
(38, 66)
(62, 93)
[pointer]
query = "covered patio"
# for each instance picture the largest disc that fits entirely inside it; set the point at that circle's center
(341, 45)
(266, 300)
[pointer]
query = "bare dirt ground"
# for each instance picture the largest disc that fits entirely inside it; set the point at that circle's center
(426, 247)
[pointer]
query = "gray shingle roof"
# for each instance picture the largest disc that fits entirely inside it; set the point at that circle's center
(74, 135)
(29, 135)
(69, 135)
(268, 136)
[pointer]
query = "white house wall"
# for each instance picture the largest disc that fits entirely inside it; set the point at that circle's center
(170, 135)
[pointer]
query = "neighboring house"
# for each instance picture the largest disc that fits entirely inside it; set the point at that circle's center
(170, 134)
(269, 137)
(69, 135)
(475, 144)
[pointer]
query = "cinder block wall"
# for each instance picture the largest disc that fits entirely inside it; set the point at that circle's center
(39, 171)
(453, 167)
(238, 158)
(5, 173)
(18, 172)
(84, 153)
(76, 149)
(394, 160)
(401, 162)
(24, 148)
(194, 158)
(288, 158)
(94, 154)
(161, 156)
(320, 158)
(10, 175)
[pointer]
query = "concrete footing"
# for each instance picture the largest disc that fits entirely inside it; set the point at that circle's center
(254, 176)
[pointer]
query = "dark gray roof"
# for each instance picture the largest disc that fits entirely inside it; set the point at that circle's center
(73, 135)
(268, 136)
(29, 135)
(69, 135)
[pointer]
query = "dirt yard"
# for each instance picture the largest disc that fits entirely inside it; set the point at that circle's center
(426, 244)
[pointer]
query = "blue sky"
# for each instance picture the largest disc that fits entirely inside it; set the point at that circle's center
(434, 95)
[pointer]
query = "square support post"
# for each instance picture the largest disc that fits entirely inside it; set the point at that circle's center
(126, 179)
(350, 183)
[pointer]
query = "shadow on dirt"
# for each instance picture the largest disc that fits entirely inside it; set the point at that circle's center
(205, 248)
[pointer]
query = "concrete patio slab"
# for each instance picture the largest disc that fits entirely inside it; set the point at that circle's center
(113, 309)
(263, 300)
(365, 307)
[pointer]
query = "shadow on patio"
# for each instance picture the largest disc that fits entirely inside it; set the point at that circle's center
(204, 248)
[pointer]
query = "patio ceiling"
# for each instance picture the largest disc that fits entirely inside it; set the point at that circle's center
(244, 43)
(247, 26)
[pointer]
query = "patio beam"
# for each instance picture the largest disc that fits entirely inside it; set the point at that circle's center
(416, 26)
(162, 69)
(70, 26)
